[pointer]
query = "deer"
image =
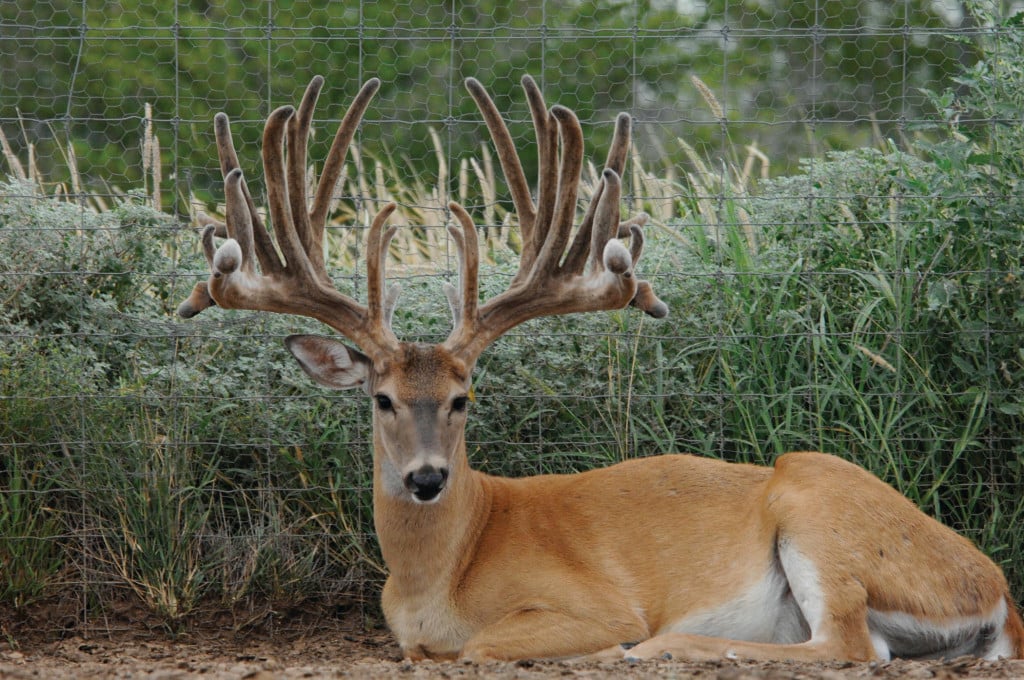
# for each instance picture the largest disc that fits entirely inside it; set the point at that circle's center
(666, 556)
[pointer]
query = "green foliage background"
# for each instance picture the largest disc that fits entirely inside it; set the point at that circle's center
(794, 77)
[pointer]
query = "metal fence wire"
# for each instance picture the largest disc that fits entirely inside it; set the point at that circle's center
(839, 277)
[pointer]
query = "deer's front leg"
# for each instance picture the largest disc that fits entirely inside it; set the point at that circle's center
(551, 634)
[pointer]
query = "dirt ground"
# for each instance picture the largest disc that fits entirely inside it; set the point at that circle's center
(347, 647)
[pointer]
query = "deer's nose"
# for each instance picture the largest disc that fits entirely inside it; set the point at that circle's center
(426, 482)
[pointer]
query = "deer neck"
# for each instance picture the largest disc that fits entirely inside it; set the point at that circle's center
(420, 541)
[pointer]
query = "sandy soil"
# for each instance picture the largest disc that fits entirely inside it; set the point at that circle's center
(347, 647)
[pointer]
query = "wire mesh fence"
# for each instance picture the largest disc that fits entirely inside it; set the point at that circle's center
(836, 219)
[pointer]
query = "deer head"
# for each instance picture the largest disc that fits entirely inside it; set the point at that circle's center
(420, 391)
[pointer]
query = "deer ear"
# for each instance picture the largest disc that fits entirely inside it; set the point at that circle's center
(329, 362)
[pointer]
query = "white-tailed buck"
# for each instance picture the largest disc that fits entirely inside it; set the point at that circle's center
(813, 558)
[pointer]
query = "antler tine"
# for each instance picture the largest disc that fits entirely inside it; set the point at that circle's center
(564, 212)
(507, 156)
(200, 299)
(335, 160)
(234, 275)
(546, 130)
(269, 261)
(454, 293)
(377, 308)
(278, 194)
(390, 302)
(465, 300)
(239, 220)
(619, 149)
(645, 298)
(581, 251)
(298, 138)
(606, 217)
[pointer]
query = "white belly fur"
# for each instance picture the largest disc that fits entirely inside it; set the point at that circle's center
(768, 612)
(902, 635)
(765, 612)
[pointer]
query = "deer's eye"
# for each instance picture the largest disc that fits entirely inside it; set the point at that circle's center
(459, 404)
(384, 402)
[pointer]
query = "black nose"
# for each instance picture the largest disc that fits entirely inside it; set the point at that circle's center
(427, 482)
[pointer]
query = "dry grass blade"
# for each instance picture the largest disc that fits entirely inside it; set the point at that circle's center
(709, 97)
(12, 160)
(876, 359)
(151, 172)
(754, 155)
(658, 194)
